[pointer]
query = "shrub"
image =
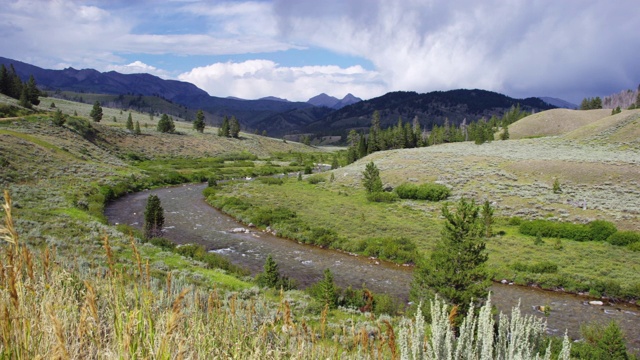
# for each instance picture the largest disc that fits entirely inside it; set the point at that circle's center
(163, 243)
(600, 230)
(266, 216)
(271, 180)
(316, 179)
(623, 238)
(386, 197)
(399, 250)
(546, 228)
(515, 221)
(209, 191)
(542, 267)
(323, 237)
(427, 191)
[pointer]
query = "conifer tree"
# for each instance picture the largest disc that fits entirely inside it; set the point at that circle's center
(456, 268)
(371, 178)
(153, 217)
(198, 124)
(137, 131)
(32, 91)
(224, 129)
(165, 125)
(96, 112)
(328, 290)
(270, 275)
(58, 118)
(24, 99)
(129, 122)
(234, 127)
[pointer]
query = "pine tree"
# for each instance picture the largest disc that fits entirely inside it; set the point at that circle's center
(224, 129)
(153, 217)
(456, 268)
(129, 122)
(58, 118)
(505, 134)
(24, 99)
(96, 112)
(487, 219)
(136, 130)
(165, 125)
(371, 178)
(328, 290)
(32, 91)
(198, 124)
(270, 276)
(612, 342)
(5, 80)
(234, 127)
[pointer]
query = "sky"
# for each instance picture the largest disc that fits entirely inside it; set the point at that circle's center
(296, 49)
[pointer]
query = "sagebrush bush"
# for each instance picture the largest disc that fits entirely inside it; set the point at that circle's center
(427, 191)
(386, 197)
(316, 179)
(623, 238)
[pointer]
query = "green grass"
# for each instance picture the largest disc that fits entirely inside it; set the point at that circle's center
(582, 266)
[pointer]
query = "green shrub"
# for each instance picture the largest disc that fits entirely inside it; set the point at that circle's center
(386, 197)
(600, 230)
(267, 215)
(163, 243)
(323, 237)
(623, 238)
(542, 267)
(209, 191)
(515, 221)
(427, 191)
(271, 180)
(634, 246)
(398, 250)
(546, 228)
(316, 179)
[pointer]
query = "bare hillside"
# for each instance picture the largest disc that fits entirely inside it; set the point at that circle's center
(554, 122)
(620, 129)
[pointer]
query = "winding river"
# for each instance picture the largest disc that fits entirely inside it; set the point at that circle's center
(189, 219)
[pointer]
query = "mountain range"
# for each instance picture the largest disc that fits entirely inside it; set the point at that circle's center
(320, 115)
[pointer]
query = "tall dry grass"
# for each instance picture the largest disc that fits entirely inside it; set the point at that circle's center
(48, 311)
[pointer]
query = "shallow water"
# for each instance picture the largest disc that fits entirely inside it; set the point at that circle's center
(189, 219)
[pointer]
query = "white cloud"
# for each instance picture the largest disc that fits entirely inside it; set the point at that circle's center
(254, 79)
(138, 67)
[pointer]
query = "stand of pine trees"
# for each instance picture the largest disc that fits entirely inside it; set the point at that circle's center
(405, 135)
(11, 85)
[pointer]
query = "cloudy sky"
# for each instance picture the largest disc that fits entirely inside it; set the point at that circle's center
(296, 49)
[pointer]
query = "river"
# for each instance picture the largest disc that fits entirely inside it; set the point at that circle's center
(189, 219)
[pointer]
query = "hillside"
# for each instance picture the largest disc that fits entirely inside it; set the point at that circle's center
(429, 109)
(554, 122)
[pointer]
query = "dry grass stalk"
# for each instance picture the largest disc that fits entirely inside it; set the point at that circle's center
(453, 314)
(46, 262)
(172, 324)
(136, 253)
(323, 320)
(110, 260)
(60, 351)
(391, 340)
(28, 259)
(169, 283)
(8, 232)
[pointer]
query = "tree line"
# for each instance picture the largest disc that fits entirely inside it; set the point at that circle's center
(11, 85)
(410, 135)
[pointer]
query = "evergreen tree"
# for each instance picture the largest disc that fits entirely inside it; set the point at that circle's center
(224, 129)
(270, 274)
(32, 91)
(612, 342)
(165, 125)
(264, 132)
(362, 147)
(5, 80)
(58, 118)
(334, 163)
(234, 127)
(136, 130)
(198, 124)
(129, 122)
(505, 133)
(371, 178)
(15, 89)
(456, 268)
(487, 219)
(24, 99)
(328, 290)
(585, 104)
(96, 112)
(153, 217)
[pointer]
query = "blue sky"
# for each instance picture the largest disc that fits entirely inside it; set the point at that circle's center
(296, 49)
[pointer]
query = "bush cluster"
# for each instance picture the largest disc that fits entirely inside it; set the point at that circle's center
(271, 180)
(564, 230)
(212, 260)
(624, 238)
(381, 196)
(542, 267)
(399, 250)
(427, 191)
(268, 215)
(316, 179)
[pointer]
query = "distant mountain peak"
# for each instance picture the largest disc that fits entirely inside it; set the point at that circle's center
(332, 102)
(273, 98)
